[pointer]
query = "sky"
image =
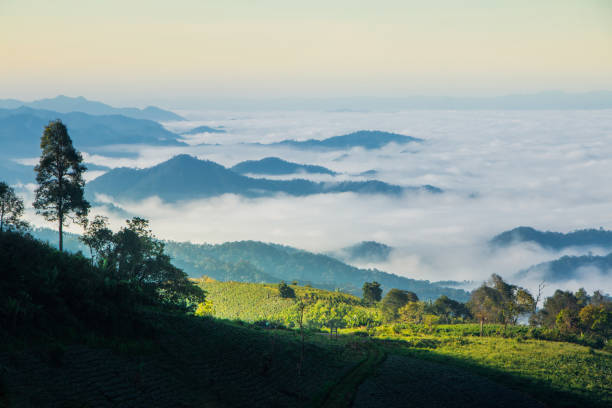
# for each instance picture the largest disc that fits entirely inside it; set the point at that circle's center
(175, 53)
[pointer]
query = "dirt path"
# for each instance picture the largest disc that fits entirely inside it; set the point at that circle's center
(343, 392)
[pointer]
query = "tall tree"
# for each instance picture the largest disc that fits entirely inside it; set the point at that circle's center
(11, 208)
(485, 305)
(394, 300)
(372, 292)
(59, 174)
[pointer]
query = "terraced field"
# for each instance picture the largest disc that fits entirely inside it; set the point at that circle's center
(193, 363)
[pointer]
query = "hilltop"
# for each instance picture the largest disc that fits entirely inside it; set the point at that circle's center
(185, 177)
(365, 251)
(276, 166)
(66, 104)
(367, 139)
(554, 240)
(570, 268)
(203, 129)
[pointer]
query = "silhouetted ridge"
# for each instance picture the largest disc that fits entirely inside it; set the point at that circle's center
(554, 240)
(367, 139)
(276, 166)
(66, 104)
(203, 129)
(21, 128)
(185, 177)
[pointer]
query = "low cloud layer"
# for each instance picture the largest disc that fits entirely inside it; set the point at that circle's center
(500, 169)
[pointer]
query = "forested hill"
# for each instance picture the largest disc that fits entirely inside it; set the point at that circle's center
(571, 268)
(366, 251)
(253, 261)
(276, 166)
(367, 139)
(203, 129)
(554, 240)
(185, 177)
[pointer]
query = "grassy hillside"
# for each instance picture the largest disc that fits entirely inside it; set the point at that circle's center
(557, 373)
(69, 339)
(253, 302)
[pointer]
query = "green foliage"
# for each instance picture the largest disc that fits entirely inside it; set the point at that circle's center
(59, 174)
(134, 255)
(11, 209)
(205, 308)
(285, 291)
(262, 303)
(393, 301)
(560, 374)
(372, 292)
(44, 288)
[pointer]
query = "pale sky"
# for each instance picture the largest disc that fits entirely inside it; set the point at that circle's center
(132, 51)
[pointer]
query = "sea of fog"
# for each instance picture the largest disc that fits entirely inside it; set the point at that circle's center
(551, 170)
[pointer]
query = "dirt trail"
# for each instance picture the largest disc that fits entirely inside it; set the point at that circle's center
(343, 392)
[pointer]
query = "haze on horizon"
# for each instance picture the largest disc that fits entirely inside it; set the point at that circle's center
(153, 52)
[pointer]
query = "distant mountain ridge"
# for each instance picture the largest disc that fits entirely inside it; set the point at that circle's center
(66, 104)
(569, 268)
(365, 251)
(21, 129)
(185, 177)
(367, 139)
(554, 240)
(276, 166)
(203, 129)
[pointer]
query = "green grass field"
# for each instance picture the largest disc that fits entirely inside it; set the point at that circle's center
(556, 373)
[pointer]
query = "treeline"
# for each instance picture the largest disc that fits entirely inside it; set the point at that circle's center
(262, 262)
(577, 317)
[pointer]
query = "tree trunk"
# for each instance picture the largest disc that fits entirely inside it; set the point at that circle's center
(61, 237)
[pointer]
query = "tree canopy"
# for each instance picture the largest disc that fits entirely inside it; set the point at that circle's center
(11, 208)
(394, 300)
(372, 292)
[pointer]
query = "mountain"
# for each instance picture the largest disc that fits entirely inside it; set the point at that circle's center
(290, 264)
(367, 139)
(21, 128)
(570, 268)
(276, 166)
(554, 240)
(185, 177)
(366, 251)
(203, 129)
(66, 104)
